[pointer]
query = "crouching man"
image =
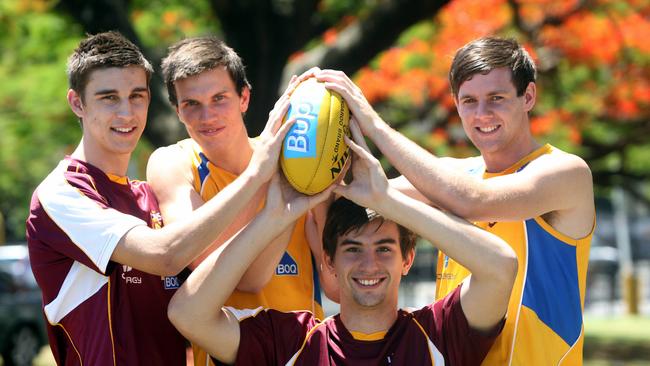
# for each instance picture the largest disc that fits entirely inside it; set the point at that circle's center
(368, 250)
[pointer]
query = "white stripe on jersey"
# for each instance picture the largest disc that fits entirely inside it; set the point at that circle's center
(79, 285)
(438, 359)
(242, 314)
(95, 230)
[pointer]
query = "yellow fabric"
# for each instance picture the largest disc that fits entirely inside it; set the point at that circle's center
(360, 336)
(283, 292)
(535, 343)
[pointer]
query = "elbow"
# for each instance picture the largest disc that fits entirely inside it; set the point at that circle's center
(168, 264)
(509, 267)
(178, 314)
(471, 207)
(253, 285)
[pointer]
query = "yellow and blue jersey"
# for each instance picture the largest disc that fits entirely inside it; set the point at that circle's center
(544, 324)
(295, 283)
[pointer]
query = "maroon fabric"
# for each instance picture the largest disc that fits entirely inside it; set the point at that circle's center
(272, 338)
(132, 306)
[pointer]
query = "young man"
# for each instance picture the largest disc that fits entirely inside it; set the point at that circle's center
(104, 264)
(207, 85)
(537, 198)
(368, 252)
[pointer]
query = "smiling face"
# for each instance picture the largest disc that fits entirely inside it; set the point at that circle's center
(212, 110)
(494, 118)
(113, 111)
(368, 264)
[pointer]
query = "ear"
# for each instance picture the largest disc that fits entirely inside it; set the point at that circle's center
(530, 95)
(74, 100)
(244, 99)
(408, 262)
(328, 262)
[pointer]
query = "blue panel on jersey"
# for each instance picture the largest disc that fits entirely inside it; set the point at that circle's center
(551, 289)
(287, 266)
(203, 167)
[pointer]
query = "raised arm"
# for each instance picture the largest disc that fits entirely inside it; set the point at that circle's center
(559, 183)
(196, 308)
(168, 250)
(492, 262)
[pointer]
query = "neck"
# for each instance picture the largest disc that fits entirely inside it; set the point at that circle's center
(501, 160)
(233, 160)
(368, 319)
(116, 164)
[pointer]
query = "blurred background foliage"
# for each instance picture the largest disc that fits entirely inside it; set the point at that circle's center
(593, 58)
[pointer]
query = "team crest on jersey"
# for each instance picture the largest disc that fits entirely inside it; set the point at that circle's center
(287, 266)
(156, 219)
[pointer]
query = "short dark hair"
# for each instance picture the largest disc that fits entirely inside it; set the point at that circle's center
(100, 51)
(192, 56)
(486, 54)
(344, 216)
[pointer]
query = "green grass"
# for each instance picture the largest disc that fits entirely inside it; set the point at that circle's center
(621, 338)
(618, 329)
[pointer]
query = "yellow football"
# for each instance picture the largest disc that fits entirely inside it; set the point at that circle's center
(314, 152)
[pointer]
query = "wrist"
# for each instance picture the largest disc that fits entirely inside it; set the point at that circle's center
(277, 216)
(387, 204)
(377, 129)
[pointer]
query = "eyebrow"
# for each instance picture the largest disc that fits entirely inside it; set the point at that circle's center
(378, 242)
(114, 91)
(106, 91)
(221, 92)
(493, 92)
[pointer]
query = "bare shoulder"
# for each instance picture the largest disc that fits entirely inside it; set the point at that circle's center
(562, 164)
(168, 166)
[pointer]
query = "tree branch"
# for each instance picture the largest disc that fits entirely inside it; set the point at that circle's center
(360, 42)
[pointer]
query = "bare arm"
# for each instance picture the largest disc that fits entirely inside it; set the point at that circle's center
(492, 262)
(168, 250)
(196, 308)
(560, 184)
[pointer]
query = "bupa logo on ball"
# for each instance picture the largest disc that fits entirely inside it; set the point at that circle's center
(300, 142)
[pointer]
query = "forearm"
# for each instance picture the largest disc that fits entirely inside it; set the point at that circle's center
(260, 272)
(440, 185)
(477, 250)
(168, 250)
(209, 286)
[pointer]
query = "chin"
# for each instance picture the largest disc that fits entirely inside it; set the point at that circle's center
(369, 301)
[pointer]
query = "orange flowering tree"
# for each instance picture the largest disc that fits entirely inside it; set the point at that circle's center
(593, 82)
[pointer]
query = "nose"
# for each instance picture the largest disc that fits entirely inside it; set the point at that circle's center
(125, 110)
(368, 262)
(483, 110)
(207, 114)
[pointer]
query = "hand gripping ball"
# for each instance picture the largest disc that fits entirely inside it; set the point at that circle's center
(314, 152)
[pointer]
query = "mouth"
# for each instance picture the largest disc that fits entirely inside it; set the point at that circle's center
(123, 130)
(211, 131)
(488, 129)
(368, 282)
